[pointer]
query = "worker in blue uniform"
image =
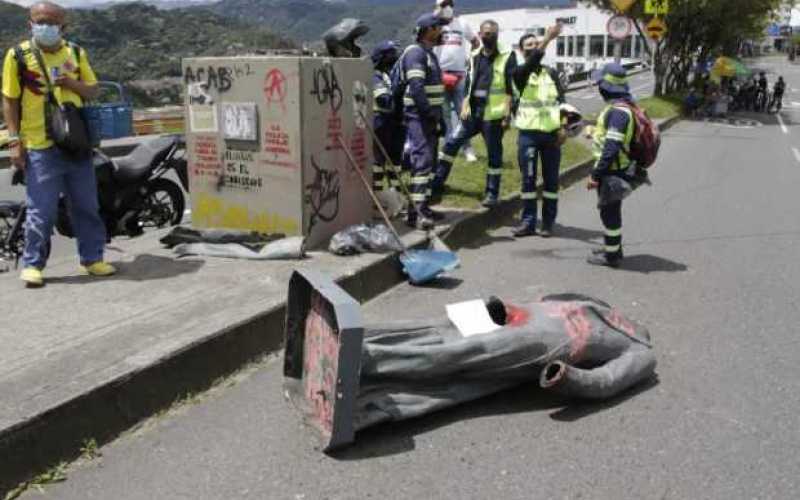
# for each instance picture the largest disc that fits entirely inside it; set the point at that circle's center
(612, 138)
(422, 102)
(387, 122)
(486, 110)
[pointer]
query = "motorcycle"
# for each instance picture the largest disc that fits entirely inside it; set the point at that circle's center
(132, 190)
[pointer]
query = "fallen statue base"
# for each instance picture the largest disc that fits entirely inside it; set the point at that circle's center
(345, 376)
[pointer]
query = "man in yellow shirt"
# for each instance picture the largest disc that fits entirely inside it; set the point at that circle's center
(49, 170)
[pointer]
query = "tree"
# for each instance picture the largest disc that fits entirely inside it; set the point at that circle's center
(698, 30)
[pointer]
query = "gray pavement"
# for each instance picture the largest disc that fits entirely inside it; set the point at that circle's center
(711, 268)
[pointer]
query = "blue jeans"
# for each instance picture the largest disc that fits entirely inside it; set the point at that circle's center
(453, 100)
(532, 145)
(493, 136)
(49, 173)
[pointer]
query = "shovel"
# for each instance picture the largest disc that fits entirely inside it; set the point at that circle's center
(421, 266)
(436, 242)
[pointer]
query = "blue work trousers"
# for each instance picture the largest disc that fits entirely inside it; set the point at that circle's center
(533, 145)
(422, 140)
(492, 132)
(387, 130)
(49, 173)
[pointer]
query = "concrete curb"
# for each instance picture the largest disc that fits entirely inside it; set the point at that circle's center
(108, 410)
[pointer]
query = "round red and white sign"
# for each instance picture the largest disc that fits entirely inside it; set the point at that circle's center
(619, 27)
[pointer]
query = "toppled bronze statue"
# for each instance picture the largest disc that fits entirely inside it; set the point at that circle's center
(345, 376)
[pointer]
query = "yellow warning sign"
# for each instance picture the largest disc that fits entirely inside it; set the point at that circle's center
(623, 5)
(656, 7)
(656, 28)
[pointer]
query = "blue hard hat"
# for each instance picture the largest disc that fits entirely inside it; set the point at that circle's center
(613, 78)
(429, 20)
(385, 48)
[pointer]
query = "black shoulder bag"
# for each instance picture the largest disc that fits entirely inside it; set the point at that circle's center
(63, 122)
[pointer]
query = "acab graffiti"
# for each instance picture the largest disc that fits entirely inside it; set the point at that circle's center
(326, 88)
(219, 78)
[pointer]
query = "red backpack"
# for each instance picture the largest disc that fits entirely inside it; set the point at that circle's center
(646, 137)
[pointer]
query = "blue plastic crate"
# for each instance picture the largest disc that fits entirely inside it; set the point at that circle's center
(110, 120)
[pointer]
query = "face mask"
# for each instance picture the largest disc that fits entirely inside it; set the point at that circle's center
(446, 12)
(529, 53)
(489, 41)
(48, 35)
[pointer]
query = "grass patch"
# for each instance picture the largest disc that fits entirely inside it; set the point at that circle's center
(467, 182)
(667, 106)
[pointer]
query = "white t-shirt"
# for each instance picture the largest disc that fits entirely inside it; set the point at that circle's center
(456, 46)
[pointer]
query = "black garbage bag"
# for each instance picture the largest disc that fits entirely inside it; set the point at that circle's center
(340, 40)
(362, 238)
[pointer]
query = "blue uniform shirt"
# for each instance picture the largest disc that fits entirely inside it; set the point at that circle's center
(421, 69)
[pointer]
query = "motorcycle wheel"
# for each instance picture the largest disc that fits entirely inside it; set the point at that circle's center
(164, 204)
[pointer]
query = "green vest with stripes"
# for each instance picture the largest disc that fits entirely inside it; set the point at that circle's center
(601, 134)
(496, 103)
(538, 105)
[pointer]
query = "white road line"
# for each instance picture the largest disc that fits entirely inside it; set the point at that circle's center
(783, 125)
(796, 154)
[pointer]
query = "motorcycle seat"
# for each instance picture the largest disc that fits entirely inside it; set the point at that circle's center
(10, 208)
(141, 161)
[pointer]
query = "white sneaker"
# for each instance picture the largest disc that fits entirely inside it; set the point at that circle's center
(469, 154)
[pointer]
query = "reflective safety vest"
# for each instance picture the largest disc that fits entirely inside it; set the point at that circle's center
(382, 87)
(496, 103)
(601, 134)
(538, 105)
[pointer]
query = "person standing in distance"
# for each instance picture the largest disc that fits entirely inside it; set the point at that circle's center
(458, 40)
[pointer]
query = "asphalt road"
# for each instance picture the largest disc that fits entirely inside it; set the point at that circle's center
(711, 269)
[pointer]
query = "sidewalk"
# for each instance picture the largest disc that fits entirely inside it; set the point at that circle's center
(86, 358)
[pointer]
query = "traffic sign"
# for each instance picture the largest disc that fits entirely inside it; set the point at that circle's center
(619, 27)
(656, 28)
(623, 5)
(656, 7)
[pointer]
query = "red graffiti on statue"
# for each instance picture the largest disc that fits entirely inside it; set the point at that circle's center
(321, 353)
(576, 324)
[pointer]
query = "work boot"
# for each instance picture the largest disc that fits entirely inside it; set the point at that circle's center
(523, 230)
(604, 259)
(431, 214)
(489, 201)
(601, 251)
(546, 231)
(419, 221)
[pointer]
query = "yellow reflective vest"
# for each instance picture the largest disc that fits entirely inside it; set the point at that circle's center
(538, 104)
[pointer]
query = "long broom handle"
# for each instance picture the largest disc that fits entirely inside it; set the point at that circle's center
(396, 170)
(377, 202)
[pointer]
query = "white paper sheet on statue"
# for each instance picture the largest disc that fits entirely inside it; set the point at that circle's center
(471, 317)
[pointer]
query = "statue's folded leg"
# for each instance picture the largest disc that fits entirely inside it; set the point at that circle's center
(605, 381)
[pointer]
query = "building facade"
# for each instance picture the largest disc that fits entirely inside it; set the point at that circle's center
(583, 45)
